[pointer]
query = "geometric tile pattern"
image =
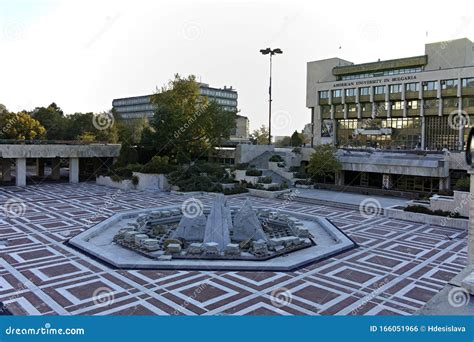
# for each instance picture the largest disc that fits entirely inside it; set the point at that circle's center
(396, 269)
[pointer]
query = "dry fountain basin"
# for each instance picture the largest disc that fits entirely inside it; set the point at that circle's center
(246, 238)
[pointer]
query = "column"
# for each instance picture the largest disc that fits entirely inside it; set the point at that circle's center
(40, 167)
(20, 172)
(387, 182)
(55, 168)
(340, 178)
(462, 118)
(470, 233)
(423, 134)
(73, 170)
(6, 170)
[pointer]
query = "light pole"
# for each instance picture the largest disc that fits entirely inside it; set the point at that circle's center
(269, 51)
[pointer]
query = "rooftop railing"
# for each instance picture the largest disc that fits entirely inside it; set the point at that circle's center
(51, 142)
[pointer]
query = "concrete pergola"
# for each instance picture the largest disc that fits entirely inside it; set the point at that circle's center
(55, 151)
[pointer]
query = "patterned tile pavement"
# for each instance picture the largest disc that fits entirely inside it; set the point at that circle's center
(396, 269)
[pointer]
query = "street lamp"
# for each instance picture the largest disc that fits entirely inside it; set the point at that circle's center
(269, 51)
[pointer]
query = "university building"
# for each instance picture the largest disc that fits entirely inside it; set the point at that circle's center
(398, 124)
(138, 107)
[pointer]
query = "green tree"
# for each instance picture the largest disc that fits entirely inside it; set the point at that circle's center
(20, 126)
(259, 136)
(323, 163)
(53, 120)
(185, 124)
(296, 140)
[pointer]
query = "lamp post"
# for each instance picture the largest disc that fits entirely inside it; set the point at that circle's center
(271, 52)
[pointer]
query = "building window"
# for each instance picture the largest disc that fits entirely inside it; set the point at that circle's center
(450, 102)
(430, 85)
(415, 86)
(468, 82)
(379, 90)
(351, 108)
(366, 107)
(395, 88)
(467, 102)
(350, 92)
(337, 93)
(324, 94)
(398, 105)
(413, 104)
(365, 91)
(449, 84)
(431, 104)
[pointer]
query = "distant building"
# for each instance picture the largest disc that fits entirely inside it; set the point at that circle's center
(241, 131)
(138, 107)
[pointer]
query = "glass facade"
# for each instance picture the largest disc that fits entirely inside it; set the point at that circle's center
(391, 133)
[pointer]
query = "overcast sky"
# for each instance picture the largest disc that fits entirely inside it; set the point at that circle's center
(82, 54)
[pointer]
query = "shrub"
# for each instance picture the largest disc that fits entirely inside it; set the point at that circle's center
(200, 176)
(462, 184)
(425, 210)
(127, 155)
(158, 165)
(265, 180)
(295, 169)
(274, 188)
(297, 150)
(253, 172)
(276, 158)
(242, 166)
(235, 190)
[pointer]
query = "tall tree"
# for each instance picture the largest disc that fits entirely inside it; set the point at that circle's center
(259, 136)
(185, 124)
(20, 126)
(53, 120)
(323, 162)
(296, 139)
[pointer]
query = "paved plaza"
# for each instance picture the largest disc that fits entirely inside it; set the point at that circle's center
(397, 267)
